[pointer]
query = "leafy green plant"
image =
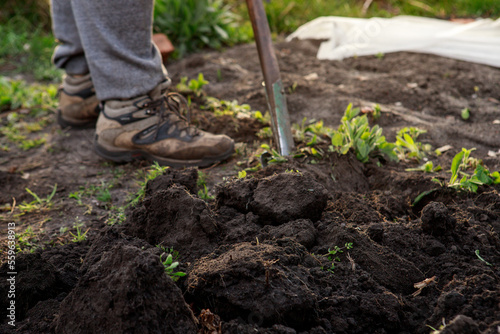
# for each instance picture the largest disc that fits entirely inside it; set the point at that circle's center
(195, 24)
(25, 240)
(28, 144)
(38, 203)
(461, 180)
(194, 86)
(428, 167)
(333, 254)
(231, 108)
(80, 235)
(170, 265)
(264, 119)
(203, 193)
(310, 132)
(407, 147)
(354, 132)
(271, 156)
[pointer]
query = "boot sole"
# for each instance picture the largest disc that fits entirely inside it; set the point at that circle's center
(77, 126)
(128, 156)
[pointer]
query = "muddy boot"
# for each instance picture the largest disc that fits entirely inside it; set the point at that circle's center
(78, 104)
(152, 127)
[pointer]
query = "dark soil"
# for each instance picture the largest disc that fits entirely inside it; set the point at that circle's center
(257, 255)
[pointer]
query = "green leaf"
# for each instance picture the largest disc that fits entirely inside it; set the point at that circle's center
(337, 139)
(455, 164)
(465, 113)
(422, 195)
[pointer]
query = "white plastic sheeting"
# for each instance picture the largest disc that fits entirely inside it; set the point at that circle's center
(478, 41)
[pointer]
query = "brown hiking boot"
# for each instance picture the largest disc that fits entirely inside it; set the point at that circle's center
(78, 104)
(152, 127)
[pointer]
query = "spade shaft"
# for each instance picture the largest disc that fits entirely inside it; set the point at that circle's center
(275, 92)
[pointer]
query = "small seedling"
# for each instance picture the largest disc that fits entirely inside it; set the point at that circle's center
(204, 195)
(271, 156)
(38, 203)
(428, 167)
(480, 258)
(169, 264)
(80, 235)
(465, 113)
(25, 239)
(481, 175)
(332, 254)
(407, 147)
(242, 174)
(103, 194)
(194, 86)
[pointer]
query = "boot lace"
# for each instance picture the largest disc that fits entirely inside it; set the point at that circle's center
(169, 108)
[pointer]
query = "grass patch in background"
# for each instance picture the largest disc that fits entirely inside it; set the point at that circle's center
(285, 16)
(27, 48)
(26, 43)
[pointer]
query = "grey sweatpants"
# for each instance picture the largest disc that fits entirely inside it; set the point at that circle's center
(111, 40)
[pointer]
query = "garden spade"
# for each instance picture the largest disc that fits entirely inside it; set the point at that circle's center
(275, 93)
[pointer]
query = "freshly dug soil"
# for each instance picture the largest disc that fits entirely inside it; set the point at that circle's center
(334, 246)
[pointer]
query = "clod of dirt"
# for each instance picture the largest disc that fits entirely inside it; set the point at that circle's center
(436, 219)
(174, 218)
(302, 231)
(39, 318)
(376, 232)
(237, 194)
(36, 280)
(124, 289)
(461, 324)
(475, 296)
(376, 259)
(434, 247)
(186, 177)
(262, 284)
(285, 197)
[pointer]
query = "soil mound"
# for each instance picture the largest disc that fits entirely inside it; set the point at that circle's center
(124, 289)
(277, 199)
(176, 219)
(265, 283)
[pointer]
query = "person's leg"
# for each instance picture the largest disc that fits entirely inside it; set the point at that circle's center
(69, 55)
(116, 37)
(137, 119)
(78, 104)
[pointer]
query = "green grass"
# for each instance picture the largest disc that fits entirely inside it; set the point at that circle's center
(27, 48)
(285, 16)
